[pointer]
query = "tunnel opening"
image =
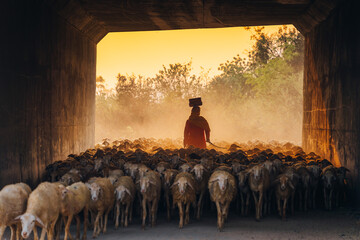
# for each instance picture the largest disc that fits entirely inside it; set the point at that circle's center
(48, 102)
(250, 80)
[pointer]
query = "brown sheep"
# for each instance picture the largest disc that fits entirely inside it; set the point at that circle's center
(125, 192)
(13, 199)
(167, 181)
(283, 190)
(102, 201)
(71, 177)
(222, 187)
(259, 183)
(184, 193)
(43, 208)
(150, 188)
(74, 199)
(114, 175)
(244, 191)
(201, 175)
(329, 180)
(315, 172)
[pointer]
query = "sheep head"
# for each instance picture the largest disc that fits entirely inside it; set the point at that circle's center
(182, 184)
(198, 171)
(28, 222)
(145, 184)
(120, 192)
(95, 191)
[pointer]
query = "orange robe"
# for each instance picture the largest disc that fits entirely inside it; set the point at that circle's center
(195, 130)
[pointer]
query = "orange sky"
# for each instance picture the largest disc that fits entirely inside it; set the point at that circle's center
(144, 53)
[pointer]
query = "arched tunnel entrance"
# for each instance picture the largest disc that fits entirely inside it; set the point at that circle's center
(48, 57)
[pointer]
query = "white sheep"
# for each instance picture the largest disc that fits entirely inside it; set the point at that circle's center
(13, 200)
(74, 199)
(43, 209)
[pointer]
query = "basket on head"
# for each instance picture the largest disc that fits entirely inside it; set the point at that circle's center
(195, 102)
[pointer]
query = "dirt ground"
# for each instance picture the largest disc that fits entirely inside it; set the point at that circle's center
(339, 224)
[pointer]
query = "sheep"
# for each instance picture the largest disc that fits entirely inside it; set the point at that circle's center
(222, 187)
(329, 181)
(315, 172)
(167, 181)
(71, 177)
(185, 167)
(13, 199)
(304, 186)
(114, 175)
(125, 192)
(184, 193)
(43, 208)
(259, 183)
(102, 201)
(294, 178)
(74, 199)
(201, 177)
(342, 185)
(161, 168)
(150, 188)
(283, 190)
(244, 191)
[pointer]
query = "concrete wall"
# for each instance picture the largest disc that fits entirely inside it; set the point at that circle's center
(47, 96)
(331, 124)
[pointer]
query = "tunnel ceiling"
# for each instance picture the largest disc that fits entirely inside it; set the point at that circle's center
(98, 17)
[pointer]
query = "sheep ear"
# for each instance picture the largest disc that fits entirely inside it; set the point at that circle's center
(276, 181)
(39, 222)
(88, 185)
(191, 185)
(291, 185)
(174, 184)
(17, 219)
(347, 170)
(215, 180)
(127, 190)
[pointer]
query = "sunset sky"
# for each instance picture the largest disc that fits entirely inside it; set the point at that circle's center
(144, 53)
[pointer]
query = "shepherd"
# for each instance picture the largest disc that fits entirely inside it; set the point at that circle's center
(196, 128)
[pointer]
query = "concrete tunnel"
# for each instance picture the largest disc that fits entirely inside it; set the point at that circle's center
(48, 59)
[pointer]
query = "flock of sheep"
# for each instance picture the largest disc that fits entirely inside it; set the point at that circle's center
(122, 176)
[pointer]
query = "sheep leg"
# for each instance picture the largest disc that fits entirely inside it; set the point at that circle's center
(330, 198)
(284, 209)
(278, 200)
(219, 215)
(131, 212)
(256, 206)
(126, 214)
(43, 232)
(2, 230)
(187, 212)
(305, 200)
(101, 221)
(36, 237)
(261, 197)
(67, 227)
(225, 211)
(314, 197)
(144, 213)
(247, 204)
(106, 219)
(122, 215)
(13, 232)
(86, 222)
(181, 215)
(300, 200)
(18, 231)
(325, 200)
(167, 206)
(117, 215)
(77, 227)
(96, 225)
(153, 212)
(292, 203)
(242, 204)
(199, 205)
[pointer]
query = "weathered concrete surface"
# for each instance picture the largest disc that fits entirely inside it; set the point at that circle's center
(47, 94)
(331, 124)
